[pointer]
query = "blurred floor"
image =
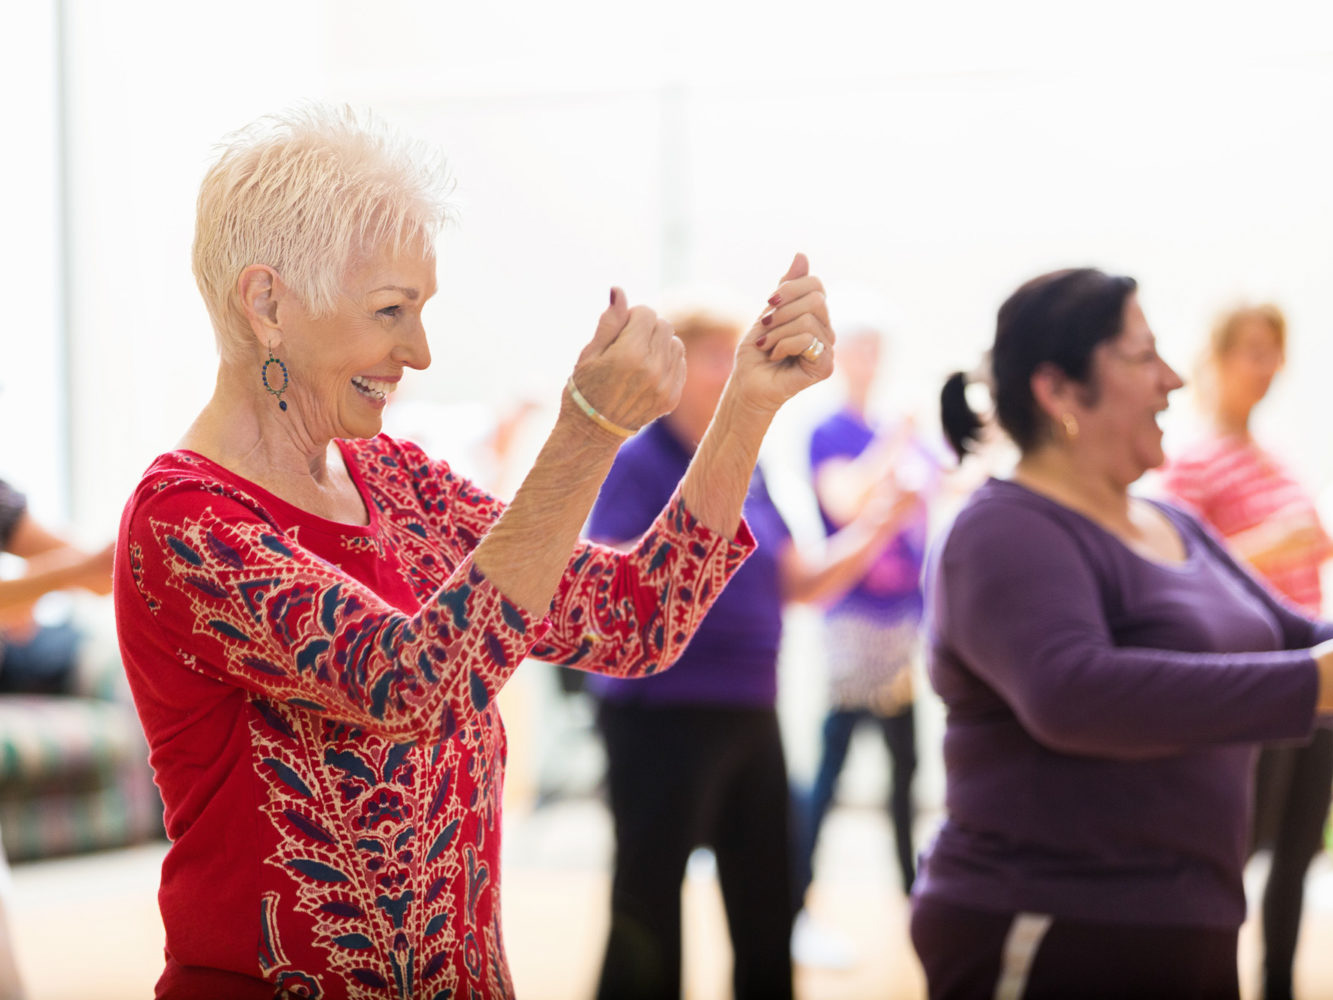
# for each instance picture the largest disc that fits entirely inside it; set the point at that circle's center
(555, 910)
(88, 929)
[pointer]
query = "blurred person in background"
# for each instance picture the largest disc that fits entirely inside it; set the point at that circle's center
(1107, 669)
(316, 618)
(37, 658)
(694, 756)
(871, 633)
(1270, 523)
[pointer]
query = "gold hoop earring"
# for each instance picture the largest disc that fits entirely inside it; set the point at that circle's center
(1071, 425)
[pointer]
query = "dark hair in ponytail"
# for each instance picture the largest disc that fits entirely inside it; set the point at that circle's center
(1056, 319)
(962, 427)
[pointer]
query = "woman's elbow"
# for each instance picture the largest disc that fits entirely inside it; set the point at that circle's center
(1085, 731)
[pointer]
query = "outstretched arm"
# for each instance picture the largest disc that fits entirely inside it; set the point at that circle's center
(53, 563)
(848, 554)
(1017, 603)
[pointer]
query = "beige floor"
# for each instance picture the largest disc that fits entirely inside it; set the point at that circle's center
(87, 928)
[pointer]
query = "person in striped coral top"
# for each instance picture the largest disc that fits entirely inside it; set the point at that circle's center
(1269, 520)
(316, 618)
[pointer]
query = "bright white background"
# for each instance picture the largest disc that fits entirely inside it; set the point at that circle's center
(940, 153)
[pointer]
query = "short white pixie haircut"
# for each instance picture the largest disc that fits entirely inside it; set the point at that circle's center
(307, 192)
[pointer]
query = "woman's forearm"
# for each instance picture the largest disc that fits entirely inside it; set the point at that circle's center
(718, 478)
(846, 559)
(848, 554)
(1271, 543)
(53, 571)
(525, 554)
(844, 487)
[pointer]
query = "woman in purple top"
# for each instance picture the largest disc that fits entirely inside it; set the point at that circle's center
(1107, 669)
(694, 755)
(871, 634)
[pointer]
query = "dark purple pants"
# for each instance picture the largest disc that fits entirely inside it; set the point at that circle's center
(979, 955)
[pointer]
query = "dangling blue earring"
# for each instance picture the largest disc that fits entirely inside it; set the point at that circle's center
(263, 374)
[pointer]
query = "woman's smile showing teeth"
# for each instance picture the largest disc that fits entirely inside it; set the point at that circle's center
(375, 389)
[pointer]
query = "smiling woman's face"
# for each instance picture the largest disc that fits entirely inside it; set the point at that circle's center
(343, 366)
(1133, 382)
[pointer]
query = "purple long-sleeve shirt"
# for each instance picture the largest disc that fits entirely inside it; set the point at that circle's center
(1102, 713)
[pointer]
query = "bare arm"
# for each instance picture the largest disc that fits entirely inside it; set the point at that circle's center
(30, 538)
(632, 371)
(848, 554)
(770, 369)
(718, 478)
(1278, 540)
(527, 551)
(846, 485)
(52, 564)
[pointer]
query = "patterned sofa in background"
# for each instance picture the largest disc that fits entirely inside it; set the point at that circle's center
(74, 772)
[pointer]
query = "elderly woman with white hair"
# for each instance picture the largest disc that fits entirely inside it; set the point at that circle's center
(316, 618)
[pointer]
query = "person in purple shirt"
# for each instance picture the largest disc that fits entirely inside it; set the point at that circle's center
(871, 632)
(1107, 670)
(694, 755)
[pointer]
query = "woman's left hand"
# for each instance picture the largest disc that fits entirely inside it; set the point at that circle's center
(790, 346)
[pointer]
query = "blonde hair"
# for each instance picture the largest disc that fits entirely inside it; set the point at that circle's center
(698, 323)
(307, 191)
(1223, 336)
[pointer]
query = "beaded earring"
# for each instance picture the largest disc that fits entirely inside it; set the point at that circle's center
(268, 386)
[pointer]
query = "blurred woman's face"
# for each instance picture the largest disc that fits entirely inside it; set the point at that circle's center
(1246, 369)
(709, 358)
(1133, 382)
(858, 359)
(344, 366)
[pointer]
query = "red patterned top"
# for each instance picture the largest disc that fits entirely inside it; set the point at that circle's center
(1234, 485)
(319, 703)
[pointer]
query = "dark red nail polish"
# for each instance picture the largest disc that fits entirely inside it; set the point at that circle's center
(774, 299)
(760, 341)
(613, 296)
(768, 318)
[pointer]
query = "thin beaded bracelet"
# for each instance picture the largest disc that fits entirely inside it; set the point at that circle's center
(592, 413)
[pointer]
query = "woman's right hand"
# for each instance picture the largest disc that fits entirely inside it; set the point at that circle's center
(789, 348)
(632, 370)
(1323, 658)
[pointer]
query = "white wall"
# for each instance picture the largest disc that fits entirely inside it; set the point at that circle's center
(153, 85)
(32, 401)
(941, 154)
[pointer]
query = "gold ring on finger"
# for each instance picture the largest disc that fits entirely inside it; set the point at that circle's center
(815, 349)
